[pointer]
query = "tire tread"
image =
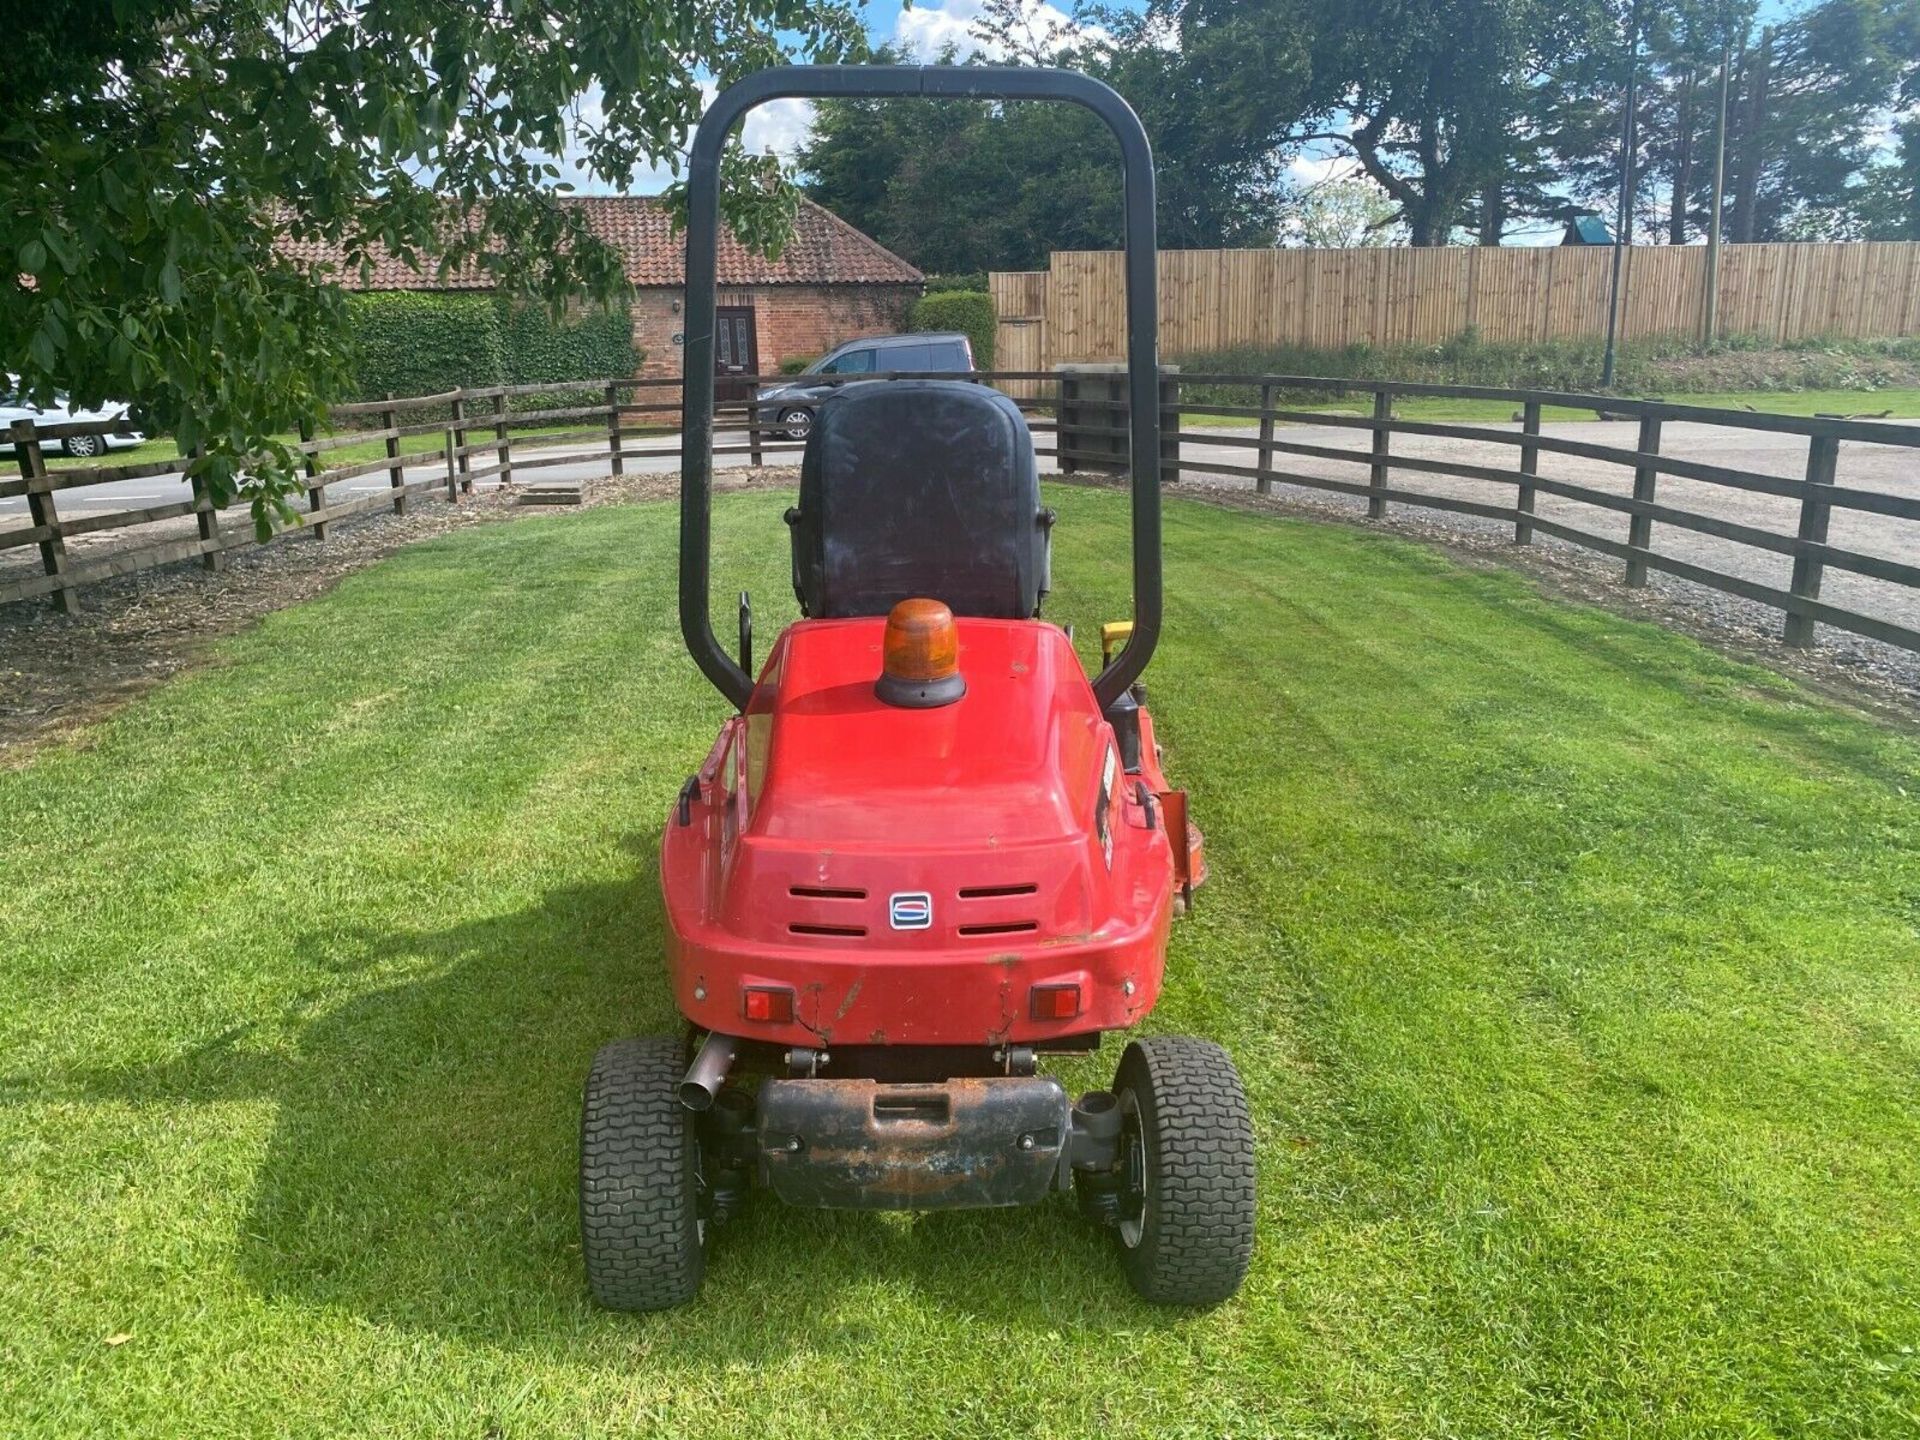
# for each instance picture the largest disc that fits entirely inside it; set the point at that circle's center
(1198, 1239)
(639, 1223)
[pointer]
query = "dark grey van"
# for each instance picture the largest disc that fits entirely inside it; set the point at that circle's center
(789, 407)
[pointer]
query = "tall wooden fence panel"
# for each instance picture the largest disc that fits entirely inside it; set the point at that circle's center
(1216, 299)
(1020, 329)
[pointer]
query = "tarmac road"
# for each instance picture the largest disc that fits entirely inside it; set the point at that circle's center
(653, 455)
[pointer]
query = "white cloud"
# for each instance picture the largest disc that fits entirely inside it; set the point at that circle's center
(925, 30)
(780, 126)
(1306, 171)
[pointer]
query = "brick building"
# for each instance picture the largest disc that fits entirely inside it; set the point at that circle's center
(830, 283)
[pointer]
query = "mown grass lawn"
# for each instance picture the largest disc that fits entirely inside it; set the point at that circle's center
(1574, 971)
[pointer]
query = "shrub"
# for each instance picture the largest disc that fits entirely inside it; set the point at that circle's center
(415, 342)
(966, 280)
(795, 364)
(595, 345)
(968, 311)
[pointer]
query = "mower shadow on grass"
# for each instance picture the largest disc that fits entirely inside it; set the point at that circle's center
(421, 1167)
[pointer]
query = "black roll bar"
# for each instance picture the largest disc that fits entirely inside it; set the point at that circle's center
(964, 82)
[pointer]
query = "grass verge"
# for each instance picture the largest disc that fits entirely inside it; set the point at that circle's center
(1574, 970)
(1892, 404)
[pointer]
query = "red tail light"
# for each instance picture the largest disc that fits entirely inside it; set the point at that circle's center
(1054, 1002)
(770, 1004)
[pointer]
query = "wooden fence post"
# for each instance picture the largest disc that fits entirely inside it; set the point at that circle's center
(396, 474)
(1377, 470)
(1529, 465)
(1263, 483)
(1640, 525)
(453, 474)
(1823, 457)
(755, 455)
(463, 462)
(503, 443)
(1169, 425)
(316, 494)
(613, 426)
(41, 509)
(208, 519)
(1065, 415)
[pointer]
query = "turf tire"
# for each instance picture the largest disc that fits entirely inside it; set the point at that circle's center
(1196, 1229)
(640, 1228)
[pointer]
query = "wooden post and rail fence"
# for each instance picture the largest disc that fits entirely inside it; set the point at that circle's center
(1080, 424)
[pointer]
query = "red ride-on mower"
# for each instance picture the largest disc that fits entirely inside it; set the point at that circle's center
(928, 850)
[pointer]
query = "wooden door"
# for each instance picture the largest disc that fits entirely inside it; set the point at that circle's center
(736, 353)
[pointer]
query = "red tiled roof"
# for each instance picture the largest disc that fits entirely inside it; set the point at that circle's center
(824, 250)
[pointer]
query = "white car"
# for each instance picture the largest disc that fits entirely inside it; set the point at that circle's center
(14, 406)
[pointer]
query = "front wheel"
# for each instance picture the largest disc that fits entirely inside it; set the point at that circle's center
(796, 423)
(640, 1229)
(1186, 1202)
(83, 447)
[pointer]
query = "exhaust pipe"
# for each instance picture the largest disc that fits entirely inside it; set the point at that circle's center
(708, 1071)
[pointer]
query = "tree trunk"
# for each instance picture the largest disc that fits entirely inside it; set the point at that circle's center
(1746, 191)
(1682, 163)
(1493, 213)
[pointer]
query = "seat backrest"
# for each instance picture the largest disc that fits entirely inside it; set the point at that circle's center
(919, 487)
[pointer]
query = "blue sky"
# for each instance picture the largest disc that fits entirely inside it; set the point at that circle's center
(923, 28)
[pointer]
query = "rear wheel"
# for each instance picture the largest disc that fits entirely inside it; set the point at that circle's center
(1186, 1201)
(83, 447)
(640, 1228)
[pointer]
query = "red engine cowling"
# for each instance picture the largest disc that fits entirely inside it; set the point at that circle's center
(979, 873)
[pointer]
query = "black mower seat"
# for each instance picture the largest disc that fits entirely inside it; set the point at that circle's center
(919, 487)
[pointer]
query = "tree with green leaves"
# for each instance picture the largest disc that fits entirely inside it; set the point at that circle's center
(1347, 213)
(1434, 98)
(963, 186)
(155, 153)
(1675, 109)
(1807, 95)
(1889, 204)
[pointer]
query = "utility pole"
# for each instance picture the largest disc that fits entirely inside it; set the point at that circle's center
(1712, 318)
(1623, 225)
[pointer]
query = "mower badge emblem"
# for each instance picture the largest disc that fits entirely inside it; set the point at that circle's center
(910, 910)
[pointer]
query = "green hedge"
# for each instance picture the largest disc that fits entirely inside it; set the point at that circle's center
(420, 342)
(965, 280)
(968, 311)
(595, 345)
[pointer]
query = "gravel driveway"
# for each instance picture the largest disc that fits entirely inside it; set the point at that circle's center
(1893, 469)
